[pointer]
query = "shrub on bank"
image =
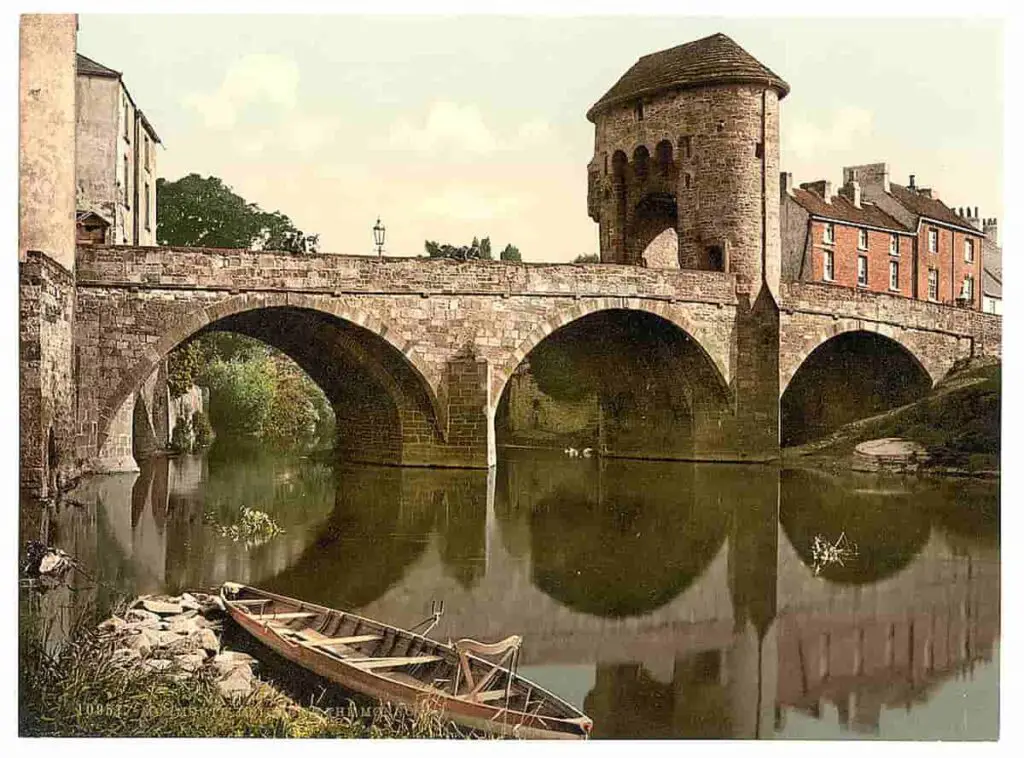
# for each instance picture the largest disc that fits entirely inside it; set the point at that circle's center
(202, 432)
(181, 436)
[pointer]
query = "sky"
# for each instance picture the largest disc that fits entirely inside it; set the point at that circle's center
(453, 127)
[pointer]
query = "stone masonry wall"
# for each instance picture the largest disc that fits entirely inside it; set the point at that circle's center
(46, 386)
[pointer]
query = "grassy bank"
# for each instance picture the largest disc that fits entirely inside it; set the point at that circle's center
(80, 690)
(957, 422)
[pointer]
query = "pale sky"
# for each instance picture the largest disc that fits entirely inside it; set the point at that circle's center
(455, 127)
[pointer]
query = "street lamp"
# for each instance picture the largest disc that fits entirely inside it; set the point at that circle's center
(378, 237)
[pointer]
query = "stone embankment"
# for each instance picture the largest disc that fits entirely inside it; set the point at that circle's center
(179, 637)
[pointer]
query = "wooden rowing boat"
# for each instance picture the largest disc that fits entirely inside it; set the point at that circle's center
(399, 666)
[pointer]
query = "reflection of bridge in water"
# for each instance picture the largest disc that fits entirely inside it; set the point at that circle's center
(684, 604)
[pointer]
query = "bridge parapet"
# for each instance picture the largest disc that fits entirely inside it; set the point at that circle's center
(221, 269)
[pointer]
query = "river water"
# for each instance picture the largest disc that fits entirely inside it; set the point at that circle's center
(665, 599)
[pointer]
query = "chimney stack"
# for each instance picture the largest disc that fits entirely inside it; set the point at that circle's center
(786, 182)
(851, 187)
(869, 175)
(991, 230)
(822, 188)
(972, 219)
(911, 186)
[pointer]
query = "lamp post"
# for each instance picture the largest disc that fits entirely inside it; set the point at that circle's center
(378, 237)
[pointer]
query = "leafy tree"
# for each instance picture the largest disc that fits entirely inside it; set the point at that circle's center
(241, 394)
(511, 253)
(475, 251)
(203, 212)
(181, 436)
(184, 366)
(588, 258)
(202, 432)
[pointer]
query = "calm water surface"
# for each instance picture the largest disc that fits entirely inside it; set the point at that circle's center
(666, 600)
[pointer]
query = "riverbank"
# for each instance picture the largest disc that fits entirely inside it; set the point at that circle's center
(160, 668)
(957, 423)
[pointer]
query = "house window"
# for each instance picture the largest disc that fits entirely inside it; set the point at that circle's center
(969, 251)
(862, 239)
(127, 134)
(933, 240)
(148, 225)
(127, 180)
(967, 291)
(894, 275)
(830, 234)
(894, 244)
(640, 111)
(862, 271)
(829, 272)
(933, 284)
(145, 143)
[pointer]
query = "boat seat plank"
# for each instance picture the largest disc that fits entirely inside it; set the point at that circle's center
(264, 601)
(486, 697)
(281, 616)
(328, 641)
(380, 663)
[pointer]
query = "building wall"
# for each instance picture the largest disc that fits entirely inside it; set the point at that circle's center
(47, 136)
(846, 252)
(145, 166)
(97, 146)
(796, 244)
(949, 262)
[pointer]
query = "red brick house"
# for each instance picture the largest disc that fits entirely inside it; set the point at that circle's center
(882, 237)
(843, 240)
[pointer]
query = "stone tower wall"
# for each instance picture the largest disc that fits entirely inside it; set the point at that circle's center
(725, 160)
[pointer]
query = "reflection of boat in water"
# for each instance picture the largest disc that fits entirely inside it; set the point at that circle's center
(395, 665)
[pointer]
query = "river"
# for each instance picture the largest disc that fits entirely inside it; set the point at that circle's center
(667, 600)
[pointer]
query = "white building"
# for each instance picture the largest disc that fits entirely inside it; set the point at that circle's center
(115, 171)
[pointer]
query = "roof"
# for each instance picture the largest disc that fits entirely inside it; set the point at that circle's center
(929, 207)
(81, 216)
(992, 269)
(708, 61)
(89, 67)
(843, 210)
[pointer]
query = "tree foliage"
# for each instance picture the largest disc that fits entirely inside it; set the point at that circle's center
(588, 258)
(204, 212)
(511, 253)
(477, 250)
(184, 366)
(241, 393)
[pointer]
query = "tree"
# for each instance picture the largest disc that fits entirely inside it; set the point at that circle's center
(203, 212)
(476, 250)
(511, 253)
(588, 258)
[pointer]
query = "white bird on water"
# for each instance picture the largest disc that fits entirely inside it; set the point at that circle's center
(587, 451)
(572, 452)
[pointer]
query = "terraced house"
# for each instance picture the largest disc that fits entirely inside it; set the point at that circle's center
(882, 237)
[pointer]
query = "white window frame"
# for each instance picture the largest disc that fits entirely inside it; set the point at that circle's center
(829, 235)
(894, 276)
(862, 263)
(967, 288)
(933, 240)
(828, 269)
(894, 245)
(862, 239)
(969, 250)
(933, 279)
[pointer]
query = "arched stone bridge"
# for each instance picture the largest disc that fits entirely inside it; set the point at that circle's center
(415, 353)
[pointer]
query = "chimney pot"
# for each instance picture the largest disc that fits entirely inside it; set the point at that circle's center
(911, 185)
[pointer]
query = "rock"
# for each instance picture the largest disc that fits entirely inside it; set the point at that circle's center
(142, 618)
(157, 664)
(161, 607)
(230, 660)
(236, 684)
(190, 602)
(143, 642)
(207, 639)
(112, 625)
(190, 661)
(182, 625)
(181, 676)
(180, 644)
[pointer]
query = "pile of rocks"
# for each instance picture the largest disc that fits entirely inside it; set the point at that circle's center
(179, 636)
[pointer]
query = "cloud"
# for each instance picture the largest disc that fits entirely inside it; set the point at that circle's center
(256, 78)
(452, 126)
(849, 126)
(462, 204)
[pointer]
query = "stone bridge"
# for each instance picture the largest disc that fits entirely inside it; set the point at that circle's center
(414, 353)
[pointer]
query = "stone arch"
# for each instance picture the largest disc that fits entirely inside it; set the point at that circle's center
(791, 361)
(655, 213)
(203, 317)
(851, 374)
(641, 162)
(700, 335)
(663, 157)
(619, 164)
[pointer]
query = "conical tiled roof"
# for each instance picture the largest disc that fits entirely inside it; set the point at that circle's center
(711, 60)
